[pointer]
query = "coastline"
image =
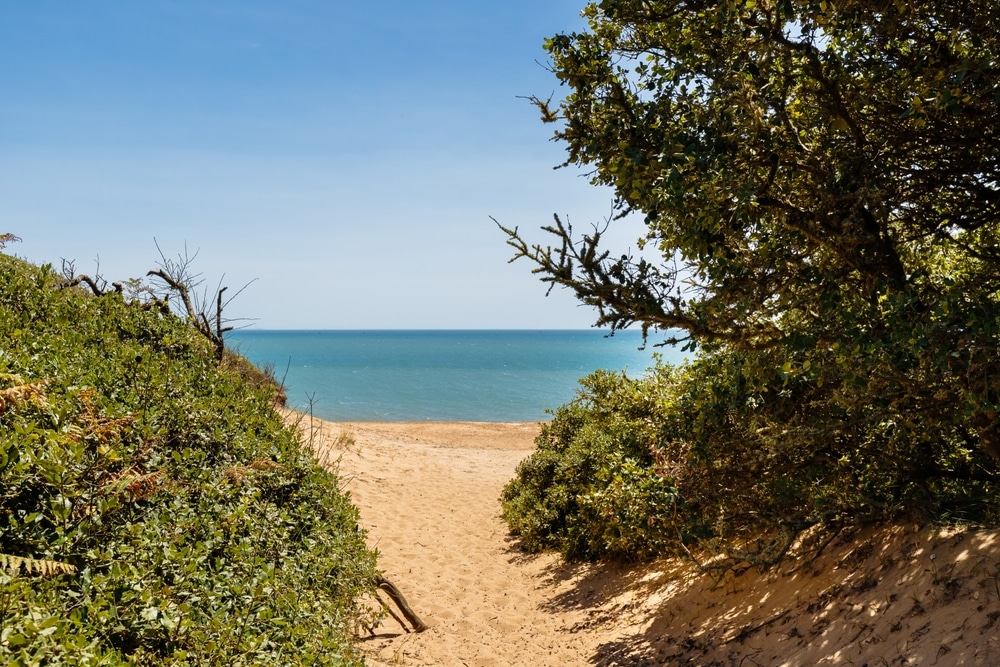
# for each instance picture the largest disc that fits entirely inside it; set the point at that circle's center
(498, 436)
(439, 375)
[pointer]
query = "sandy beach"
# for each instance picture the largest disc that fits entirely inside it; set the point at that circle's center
(428, 495)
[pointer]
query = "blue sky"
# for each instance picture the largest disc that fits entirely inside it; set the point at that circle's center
(346, 157)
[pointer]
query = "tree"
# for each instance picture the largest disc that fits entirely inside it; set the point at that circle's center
(822, 180)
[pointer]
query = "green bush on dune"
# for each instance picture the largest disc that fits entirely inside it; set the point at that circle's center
(154, 509)
(733, 456)
(591, 489)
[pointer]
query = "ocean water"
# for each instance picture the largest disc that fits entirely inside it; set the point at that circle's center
(440, 375)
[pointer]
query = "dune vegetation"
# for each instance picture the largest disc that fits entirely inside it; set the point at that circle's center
(154, 507)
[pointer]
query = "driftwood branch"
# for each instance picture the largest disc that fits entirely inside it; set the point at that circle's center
(389, 611)
(400, 601)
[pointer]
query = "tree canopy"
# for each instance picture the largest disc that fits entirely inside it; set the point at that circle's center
(822, 183)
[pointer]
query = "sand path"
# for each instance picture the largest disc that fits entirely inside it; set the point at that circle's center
(428, 496)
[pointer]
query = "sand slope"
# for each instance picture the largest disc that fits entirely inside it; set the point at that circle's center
(428, 495)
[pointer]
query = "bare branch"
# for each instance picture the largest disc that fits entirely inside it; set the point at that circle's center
(624, 290)
(7, 238)
(181, 281)
(181, 289)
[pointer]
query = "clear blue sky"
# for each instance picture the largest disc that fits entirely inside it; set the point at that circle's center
(347, 156)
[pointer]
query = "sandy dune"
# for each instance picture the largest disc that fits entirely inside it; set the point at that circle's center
(428, 495)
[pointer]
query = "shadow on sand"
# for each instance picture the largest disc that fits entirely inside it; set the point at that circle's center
(892, 596)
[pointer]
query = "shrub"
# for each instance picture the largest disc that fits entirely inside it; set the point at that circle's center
(154, 509)
(591, 489)
(734, 455)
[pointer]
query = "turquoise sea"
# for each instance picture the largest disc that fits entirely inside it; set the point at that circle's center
(440, 375)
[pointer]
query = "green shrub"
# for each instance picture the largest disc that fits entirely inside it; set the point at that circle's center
(154, 508)
(734, 455)
(591, 489)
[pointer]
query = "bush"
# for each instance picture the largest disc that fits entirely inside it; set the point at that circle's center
(154, 509)
(591, 489)
(734, 455)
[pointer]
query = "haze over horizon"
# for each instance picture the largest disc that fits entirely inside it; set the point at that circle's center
(344, 158)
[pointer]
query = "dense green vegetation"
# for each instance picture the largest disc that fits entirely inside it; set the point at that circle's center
(709, 461)
(154, 509)
(820, 185)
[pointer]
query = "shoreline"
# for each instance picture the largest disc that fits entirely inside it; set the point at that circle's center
(468, 375)
(485, 435)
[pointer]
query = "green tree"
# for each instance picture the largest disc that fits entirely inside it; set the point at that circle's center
(822, 181)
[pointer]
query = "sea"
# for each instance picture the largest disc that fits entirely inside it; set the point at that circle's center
(470, 375)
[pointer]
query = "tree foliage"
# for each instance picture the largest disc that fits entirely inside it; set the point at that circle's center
(820, 185)
(816, 176)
